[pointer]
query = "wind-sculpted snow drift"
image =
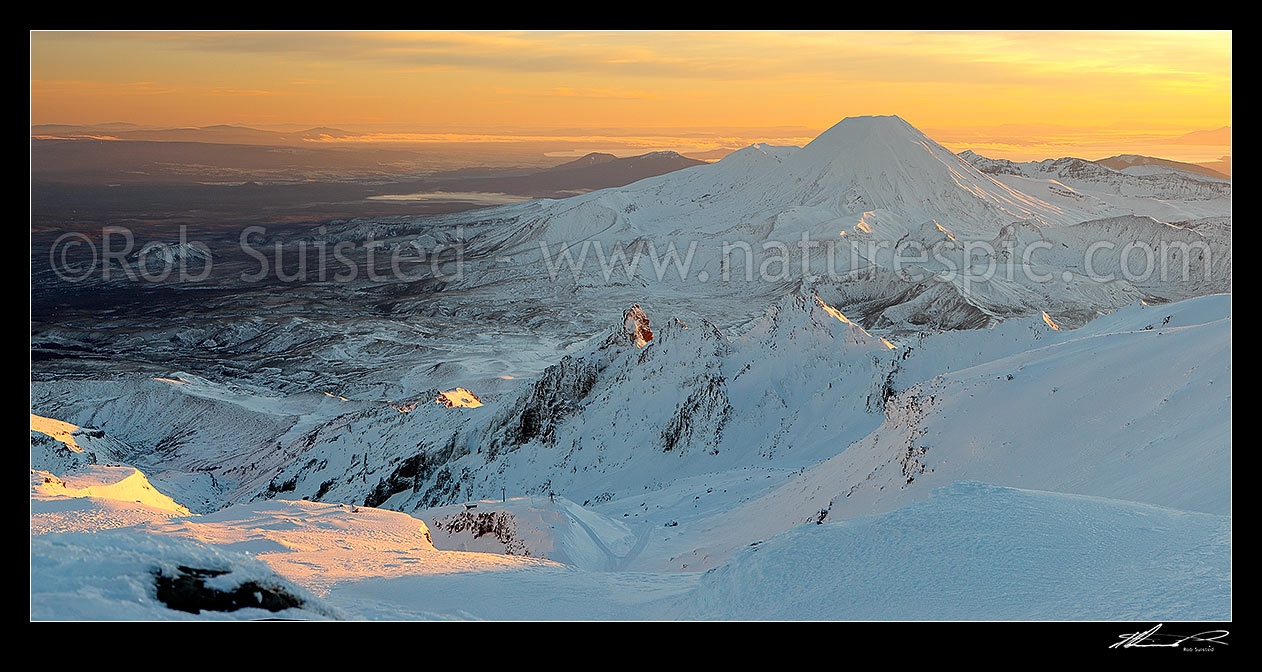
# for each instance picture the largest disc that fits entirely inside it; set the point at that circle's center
(651, 445)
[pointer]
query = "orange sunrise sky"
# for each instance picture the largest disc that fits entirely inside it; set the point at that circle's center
(1018, 95)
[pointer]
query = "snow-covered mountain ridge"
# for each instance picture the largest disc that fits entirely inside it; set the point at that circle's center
(662, 445)
(865, 198)
(862, 193)
(958, 406)
(799, 390)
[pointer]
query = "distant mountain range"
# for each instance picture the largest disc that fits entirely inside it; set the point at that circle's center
(244, 135)
(1220, 168)
(593, 171)
(125, 153)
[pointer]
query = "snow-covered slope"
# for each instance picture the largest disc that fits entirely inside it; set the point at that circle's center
(102, 482)
(1085, 186)
(868, 195)
(1129, 407)
(1072, 272)
(545, 527)
(1149, 165)
(861, 165)
(95, 498)
(57, 445)
(646, 427)
(205, 441)
(109, 576)
(972, 551)
(699, 441)
(981, 552)
(537, 278)
(617, 417)
(885, 166)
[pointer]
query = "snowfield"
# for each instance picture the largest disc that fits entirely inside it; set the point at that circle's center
(111, 576)
(1124, 514)
(975, 551)
(556, 529)
(865, 445)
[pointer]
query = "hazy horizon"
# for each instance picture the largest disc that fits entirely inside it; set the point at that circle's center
(1015, 95)
(1215, 145)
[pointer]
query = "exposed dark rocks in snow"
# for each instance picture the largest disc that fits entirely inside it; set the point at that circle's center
(186, 590)
(700, 419)
(558, 392)
(409, 475)
(499, 524)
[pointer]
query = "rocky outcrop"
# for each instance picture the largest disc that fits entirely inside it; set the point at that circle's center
(501, 525)
(186, 590)
(559, 391)
(700, 419)
(636, 324)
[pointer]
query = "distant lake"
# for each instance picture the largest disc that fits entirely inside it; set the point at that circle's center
(479, 197)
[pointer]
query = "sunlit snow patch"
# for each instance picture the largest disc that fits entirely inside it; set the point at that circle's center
(861, 331)
(121, 483)
(62, 431)
(458, 397)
